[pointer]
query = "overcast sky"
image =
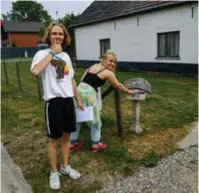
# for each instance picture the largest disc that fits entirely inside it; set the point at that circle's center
(62, 7)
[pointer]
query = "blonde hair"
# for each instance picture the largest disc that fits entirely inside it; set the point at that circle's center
(46, 38)
(108, 52)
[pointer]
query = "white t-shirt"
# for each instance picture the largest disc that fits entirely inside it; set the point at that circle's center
(57, 77)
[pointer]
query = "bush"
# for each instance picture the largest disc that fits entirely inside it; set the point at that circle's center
(14, 45)
(151, 160)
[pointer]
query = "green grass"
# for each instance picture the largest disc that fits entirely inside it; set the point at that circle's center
(16, 59)
(166, 116)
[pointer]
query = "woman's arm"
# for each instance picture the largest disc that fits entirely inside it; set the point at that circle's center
(116, 84)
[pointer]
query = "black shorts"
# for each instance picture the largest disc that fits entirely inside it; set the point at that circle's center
(60, 117)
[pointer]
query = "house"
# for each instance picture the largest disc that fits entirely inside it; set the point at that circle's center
(4, 36)
(145, 35)
(21, 33)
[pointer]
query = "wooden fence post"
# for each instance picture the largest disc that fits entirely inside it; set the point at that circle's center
(118, 113)
(18, 75)
(108, 91)
(39, 88)
(117, 108)
(5, 70)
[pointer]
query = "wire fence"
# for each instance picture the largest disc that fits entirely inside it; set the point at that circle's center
(17, 73)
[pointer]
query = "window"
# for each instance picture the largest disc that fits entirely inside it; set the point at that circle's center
(104, 46)
(168, 44)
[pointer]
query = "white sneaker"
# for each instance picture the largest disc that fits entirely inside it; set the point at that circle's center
(54, 180)
(74, 174)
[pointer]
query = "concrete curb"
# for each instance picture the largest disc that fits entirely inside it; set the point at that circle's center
(190, 139)
(12, 180)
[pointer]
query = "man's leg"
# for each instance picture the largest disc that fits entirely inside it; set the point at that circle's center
(69, 124)
(52, 157)
(65, 148)
(65, 168)
(52, 154)
(53, 124)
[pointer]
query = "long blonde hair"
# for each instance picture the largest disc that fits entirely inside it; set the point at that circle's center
(46, 38)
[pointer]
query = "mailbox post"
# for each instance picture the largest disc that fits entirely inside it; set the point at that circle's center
(144, 88)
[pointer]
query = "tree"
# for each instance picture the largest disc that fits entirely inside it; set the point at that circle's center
(6, 16)
(42, 31)
(68, 20)
(29, 11)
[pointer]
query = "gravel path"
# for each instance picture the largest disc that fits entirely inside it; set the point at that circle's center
(177, 173)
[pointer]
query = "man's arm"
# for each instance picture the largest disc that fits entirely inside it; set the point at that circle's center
(40, 67)
(77, 98)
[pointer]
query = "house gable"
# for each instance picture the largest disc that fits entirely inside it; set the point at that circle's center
(160, 40)
(100, 11)
(21, 33)
(24, 26)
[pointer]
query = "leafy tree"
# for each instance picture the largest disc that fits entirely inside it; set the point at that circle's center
(29, 11)
(42, 31)
(68, 20)
(6, 16)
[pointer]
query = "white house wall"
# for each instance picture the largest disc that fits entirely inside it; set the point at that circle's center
(134, 43)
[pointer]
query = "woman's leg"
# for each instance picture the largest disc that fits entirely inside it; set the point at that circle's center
(75, 144)
(75, 135)
(95, 136)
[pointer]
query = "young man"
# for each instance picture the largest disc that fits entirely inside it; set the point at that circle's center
(59, 89)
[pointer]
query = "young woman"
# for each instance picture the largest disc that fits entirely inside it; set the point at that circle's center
(59, 89)
(93, 78)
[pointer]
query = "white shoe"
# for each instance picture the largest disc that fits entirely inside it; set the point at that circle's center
(74, 174)
(54, 180)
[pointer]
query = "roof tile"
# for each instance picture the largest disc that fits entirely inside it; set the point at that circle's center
(105, 10)
(22, 26)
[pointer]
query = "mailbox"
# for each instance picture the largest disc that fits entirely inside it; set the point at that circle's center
(143, 88)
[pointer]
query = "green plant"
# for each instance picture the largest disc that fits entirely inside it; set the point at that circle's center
(41, 31)
(119, 154)
(151, 160)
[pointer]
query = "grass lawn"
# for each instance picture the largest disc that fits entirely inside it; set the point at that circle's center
(166, 117)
